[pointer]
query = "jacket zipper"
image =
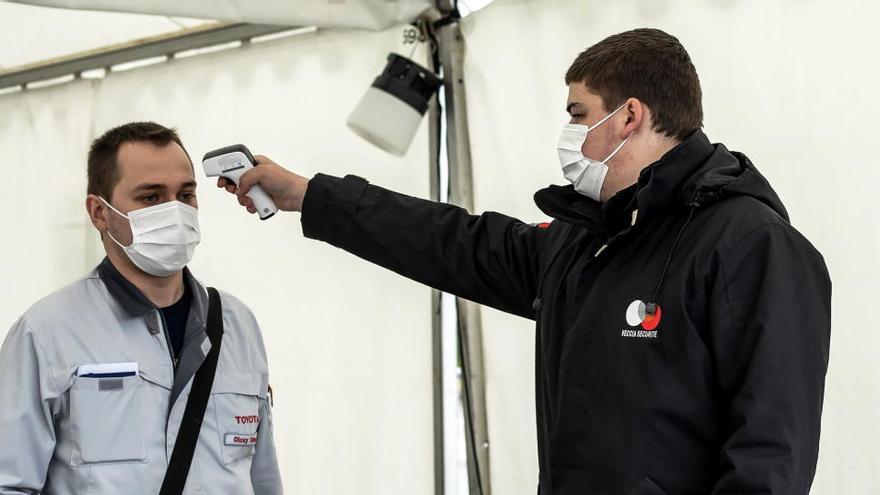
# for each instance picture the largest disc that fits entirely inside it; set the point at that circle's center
(164, 324)
(167, 339)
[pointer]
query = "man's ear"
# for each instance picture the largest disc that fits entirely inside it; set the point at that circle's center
(98, 212)
(637, 115)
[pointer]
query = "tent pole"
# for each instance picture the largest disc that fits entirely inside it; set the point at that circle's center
(452, 51)
(435, 113)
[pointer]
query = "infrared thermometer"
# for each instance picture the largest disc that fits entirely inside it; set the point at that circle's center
(233, 161)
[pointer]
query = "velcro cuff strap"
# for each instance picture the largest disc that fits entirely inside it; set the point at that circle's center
(342, 193)
(350, 190)
(325, 196)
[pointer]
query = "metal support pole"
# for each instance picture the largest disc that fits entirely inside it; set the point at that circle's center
(434, 116)
(451, 48)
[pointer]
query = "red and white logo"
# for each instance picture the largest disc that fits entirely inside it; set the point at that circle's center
(637, 316)
(542, 225)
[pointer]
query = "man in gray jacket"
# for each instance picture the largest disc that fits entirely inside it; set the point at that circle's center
(94, 379)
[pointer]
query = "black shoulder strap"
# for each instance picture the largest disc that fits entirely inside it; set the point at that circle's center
(188, 435)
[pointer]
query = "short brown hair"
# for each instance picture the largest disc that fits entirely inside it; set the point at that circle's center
(650, 65)
(103, 163)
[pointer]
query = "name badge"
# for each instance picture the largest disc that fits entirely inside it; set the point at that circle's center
(240, 439)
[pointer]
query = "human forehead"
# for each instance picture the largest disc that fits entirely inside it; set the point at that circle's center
(139, 159)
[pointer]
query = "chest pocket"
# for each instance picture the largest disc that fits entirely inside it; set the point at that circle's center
(237, 398)
(106, 416)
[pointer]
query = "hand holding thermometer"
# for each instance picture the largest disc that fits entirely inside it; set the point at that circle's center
(233, 161)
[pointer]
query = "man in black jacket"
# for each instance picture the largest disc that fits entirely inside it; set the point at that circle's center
(683, 324)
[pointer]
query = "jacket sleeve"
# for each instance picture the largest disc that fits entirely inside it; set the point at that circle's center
(26, 417)
(770, 333)
(490, 259)
(265, 474)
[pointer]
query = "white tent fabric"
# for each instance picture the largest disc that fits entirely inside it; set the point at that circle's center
(31, 34)
(791, 85)
(348, 343)
(368, 14)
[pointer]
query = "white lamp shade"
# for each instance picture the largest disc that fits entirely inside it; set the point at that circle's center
(385, 121)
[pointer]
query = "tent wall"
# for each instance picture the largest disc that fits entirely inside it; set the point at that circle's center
(791, 84)
(348, 343)
(31, 34)
(368, 14)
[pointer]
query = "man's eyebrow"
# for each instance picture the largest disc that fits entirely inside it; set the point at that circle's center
(149, 187)
(191, 183)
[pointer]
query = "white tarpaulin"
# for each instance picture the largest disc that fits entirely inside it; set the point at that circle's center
(348, 343)
(367, 14)
(792, 85)
(30, 34)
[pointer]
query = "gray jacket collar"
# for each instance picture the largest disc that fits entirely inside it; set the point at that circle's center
(136, 304)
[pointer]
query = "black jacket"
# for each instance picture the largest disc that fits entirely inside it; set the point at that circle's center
(682, 327)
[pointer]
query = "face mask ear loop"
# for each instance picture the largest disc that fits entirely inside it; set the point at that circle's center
(114, 240)
(123, 215)
(597, 124)
(605, 161)
(118, 213)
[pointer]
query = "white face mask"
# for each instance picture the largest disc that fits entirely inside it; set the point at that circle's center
(163, 237)
(587, 175)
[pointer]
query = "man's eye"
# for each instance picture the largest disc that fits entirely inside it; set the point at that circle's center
(150, 198)
(188, 196)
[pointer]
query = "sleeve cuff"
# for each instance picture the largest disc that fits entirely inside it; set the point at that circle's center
(327, 194)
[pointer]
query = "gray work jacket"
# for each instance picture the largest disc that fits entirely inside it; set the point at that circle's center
(61, 433)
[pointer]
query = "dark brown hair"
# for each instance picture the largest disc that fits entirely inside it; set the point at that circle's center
(650, 65)
(103, 163)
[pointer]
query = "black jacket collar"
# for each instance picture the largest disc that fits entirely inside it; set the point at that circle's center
(694, 173)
